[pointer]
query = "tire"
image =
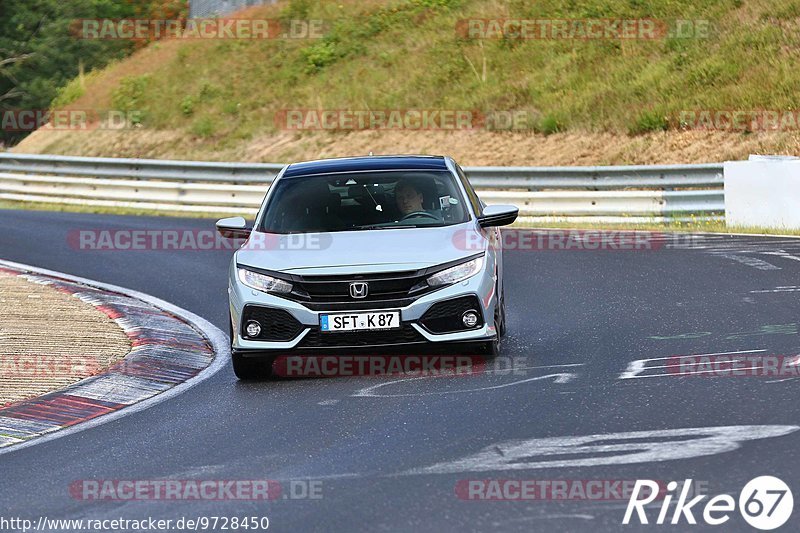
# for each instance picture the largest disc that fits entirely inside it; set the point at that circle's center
(501, 323)
(491, 349)
(251, 368)
(500, 314)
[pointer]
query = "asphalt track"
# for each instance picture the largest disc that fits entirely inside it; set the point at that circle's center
(390, 452)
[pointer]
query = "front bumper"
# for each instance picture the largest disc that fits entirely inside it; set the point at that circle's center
(414, 337)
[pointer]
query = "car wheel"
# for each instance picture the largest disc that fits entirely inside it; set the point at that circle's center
(500, 311)
(251, 368)
(491, 349)
(230, 329)
(501, 323)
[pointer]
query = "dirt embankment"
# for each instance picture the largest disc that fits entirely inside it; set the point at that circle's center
(468, 147)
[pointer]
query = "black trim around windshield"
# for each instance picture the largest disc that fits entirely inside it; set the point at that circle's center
(464, 198)
(472, 196)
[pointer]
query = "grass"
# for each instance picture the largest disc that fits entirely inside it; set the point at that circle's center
(698, 227)
(102, 210)
(704, 227)
(402, 54)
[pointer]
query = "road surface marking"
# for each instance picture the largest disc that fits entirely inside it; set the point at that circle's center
(630, 448)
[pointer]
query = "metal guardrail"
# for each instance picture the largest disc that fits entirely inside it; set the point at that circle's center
(602, 194)
(667, 177)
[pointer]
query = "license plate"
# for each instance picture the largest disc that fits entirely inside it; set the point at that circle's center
(359, 321)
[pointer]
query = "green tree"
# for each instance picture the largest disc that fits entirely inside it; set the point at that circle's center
(41, 51)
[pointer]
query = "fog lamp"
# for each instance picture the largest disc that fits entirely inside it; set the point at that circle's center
(253, 329)
(470, 318)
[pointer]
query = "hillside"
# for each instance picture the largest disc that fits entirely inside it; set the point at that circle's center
(585, 101)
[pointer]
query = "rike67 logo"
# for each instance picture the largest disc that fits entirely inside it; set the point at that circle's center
(765, 503)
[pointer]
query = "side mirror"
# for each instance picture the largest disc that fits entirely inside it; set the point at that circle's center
(233, 228)
(498, 215)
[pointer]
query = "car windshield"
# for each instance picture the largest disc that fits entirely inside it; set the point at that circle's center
(364, 201)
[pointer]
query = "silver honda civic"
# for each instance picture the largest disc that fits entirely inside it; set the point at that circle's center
(377, 255)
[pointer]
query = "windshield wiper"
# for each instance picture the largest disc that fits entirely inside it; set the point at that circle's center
(375, 226)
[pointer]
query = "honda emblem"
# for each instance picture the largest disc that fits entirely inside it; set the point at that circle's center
(359, 289)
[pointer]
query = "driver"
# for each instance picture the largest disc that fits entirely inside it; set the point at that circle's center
(408, 198)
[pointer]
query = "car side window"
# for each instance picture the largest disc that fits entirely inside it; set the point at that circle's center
(472, 196)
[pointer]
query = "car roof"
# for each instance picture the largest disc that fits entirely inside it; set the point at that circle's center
(366, 164)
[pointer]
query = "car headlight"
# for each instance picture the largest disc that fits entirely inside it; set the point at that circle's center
(262, 282)
(456, 273)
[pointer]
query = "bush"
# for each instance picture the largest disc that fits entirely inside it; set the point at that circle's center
(549, 125)
(204, 127)
(187, 106)
(69, 93)
(129, 95)
(320, 55)
(650, 121)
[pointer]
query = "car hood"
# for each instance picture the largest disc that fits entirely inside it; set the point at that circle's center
(369, 251)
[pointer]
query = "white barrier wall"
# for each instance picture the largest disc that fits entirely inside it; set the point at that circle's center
(763, 192)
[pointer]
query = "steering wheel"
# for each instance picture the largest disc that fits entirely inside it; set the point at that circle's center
(423, 214)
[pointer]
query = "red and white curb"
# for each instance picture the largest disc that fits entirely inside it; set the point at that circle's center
(172, 350)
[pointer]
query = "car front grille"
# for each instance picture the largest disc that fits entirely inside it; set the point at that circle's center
(332, 293)
(404, 335)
